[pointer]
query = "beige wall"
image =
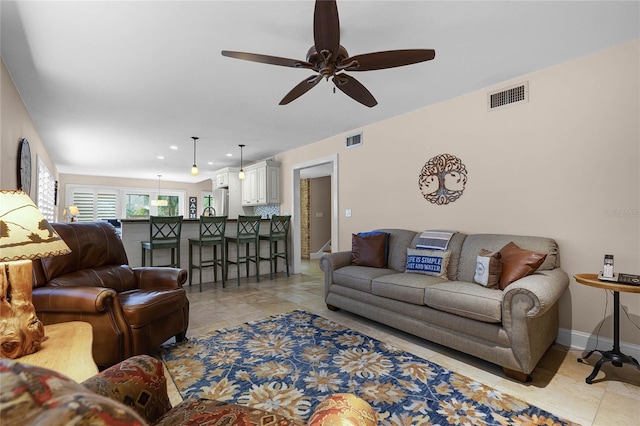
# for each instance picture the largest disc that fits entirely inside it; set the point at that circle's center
(15, 124)
(563, 165)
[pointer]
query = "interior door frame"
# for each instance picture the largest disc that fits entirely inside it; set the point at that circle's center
(295, 197)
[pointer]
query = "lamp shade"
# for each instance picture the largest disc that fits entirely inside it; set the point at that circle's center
(24, 232)
(73, 210)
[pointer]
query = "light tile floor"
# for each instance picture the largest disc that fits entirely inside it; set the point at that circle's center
(558, 382)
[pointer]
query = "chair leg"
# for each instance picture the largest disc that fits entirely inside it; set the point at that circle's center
(200, 270)
(215, 263)
(286, 255)
(238, 261)
(190, 263)
(273, 246)
(257, 259)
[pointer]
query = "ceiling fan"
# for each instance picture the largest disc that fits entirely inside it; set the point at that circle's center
(328, 58)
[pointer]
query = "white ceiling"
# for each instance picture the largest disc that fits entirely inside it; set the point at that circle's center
(111, 85)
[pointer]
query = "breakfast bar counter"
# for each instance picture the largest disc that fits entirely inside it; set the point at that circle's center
(134, 231)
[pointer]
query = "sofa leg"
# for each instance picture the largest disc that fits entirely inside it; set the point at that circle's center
(516, 375)
(181, 336)
(332, 308)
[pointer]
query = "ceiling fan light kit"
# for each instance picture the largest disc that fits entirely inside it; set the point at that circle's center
(329, 59)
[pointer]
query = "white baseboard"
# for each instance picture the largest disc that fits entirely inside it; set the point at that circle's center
(583, 341)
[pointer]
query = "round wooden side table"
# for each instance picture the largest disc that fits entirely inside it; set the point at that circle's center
(615, 356)
(67, 350)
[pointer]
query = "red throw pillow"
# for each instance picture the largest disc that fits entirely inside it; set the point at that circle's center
(368, 250)
(518, 263)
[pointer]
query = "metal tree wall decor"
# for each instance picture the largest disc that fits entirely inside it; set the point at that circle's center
(442, 179)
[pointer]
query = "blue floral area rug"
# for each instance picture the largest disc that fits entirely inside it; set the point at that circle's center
(289, 363)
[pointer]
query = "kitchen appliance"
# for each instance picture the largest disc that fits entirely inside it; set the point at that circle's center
(220, 201)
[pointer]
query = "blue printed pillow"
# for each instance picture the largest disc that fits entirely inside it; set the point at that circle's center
(386, 245)
(428, 262)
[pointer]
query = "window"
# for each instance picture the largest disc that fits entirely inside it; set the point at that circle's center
(46, 192)
(137, 206)
(171, 209)
(95, 204)
(99, 203)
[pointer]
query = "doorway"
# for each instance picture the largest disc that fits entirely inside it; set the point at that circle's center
(326, 166)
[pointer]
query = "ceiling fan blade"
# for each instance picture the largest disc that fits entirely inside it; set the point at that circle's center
(267, 59)
(326, 27)
(354, 89)
(386, 59)
(303, 87)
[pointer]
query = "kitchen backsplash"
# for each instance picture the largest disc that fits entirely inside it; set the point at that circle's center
(267, 211)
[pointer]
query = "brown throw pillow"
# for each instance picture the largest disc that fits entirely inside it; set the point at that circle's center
(518, 263)
(488, 268)
(368, 250)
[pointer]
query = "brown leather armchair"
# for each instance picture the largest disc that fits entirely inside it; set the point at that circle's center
(132, 310)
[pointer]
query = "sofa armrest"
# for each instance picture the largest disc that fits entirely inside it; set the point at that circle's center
(330, 262)
(88, 300)
(150, 278)
(542, 288)
(138, 382)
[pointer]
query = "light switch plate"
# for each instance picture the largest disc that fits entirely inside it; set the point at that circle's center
(347, 212)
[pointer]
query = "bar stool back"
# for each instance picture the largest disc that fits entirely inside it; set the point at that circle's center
(247, 234)
(164, 233)
(278, 231)
(212, 230)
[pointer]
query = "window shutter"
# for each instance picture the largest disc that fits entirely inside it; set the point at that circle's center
(106, 206)
(84, 202)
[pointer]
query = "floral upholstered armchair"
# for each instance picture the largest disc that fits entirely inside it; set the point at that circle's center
(134, 392)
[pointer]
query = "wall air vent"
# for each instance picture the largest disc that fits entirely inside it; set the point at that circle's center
(516, 94)
(353, 140)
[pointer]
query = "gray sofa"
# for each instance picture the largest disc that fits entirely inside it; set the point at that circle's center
(512, 328)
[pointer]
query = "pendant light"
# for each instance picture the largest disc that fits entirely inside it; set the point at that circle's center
(158, 202)
(241, 174)
(194, 168)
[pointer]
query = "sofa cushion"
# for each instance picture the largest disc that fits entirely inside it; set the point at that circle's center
(369, 250)
(386, 246)
(92, 244)
(465, 299)
(494, 242)
(455, 246)
(428, 262)
(118, 277)
(399, 240)
(518, 263)
(359, 277)
(143, 307)
(405, 287)
(38, 396)
(199, 411)
(488, 268)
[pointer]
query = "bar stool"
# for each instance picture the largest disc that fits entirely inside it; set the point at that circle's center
(247, 234)
(212, 230)
(164, 233)
(278, 231)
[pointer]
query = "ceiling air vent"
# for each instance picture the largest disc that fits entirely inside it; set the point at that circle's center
(353, 140)
(512, 95)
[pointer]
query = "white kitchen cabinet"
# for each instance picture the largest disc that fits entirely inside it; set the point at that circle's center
(222, 179)
(261, 184)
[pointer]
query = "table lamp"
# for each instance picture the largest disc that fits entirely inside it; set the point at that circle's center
(73, 212)
(24, 235)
